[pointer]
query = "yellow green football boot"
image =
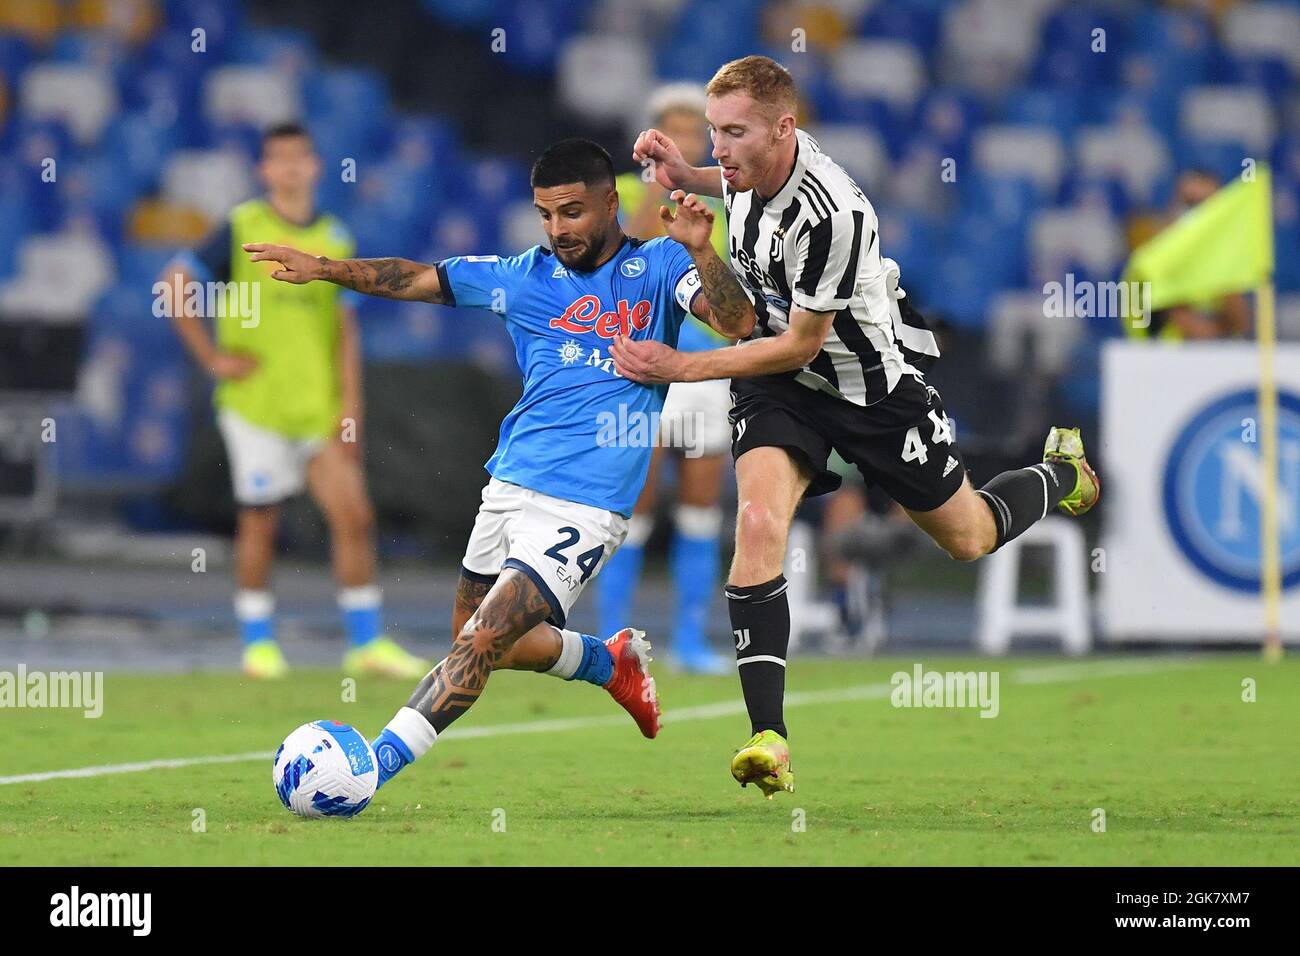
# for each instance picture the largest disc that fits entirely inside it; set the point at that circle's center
(764, 761)
(384, 657)
(1066, 445)
(263, 660)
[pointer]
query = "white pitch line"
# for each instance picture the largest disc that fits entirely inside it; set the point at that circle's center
(730, 708)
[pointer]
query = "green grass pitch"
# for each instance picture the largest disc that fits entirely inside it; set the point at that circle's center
(1186, 772)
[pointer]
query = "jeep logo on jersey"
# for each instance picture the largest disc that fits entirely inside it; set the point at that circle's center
(632, 267)
(584, 315)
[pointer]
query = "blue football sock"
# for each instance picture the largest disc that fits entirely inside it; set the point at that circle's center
(407, 737)
(255, 611)
(597, 664)
(362, 609)
(696, 563)
(392, 755)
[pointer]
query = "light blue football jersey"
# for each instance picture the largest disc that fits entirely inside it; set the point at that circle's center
(580, 431)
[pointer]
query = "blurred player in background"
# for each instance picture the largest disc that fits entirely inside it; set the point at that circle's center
(694, 416)
(828, 367)
(562, 486)
(289, 405)
(1224, 317)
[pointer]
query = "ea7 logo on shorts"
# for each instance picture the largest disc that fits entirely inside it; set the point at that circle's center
(585, 316)
(632, 267)
(742, 638)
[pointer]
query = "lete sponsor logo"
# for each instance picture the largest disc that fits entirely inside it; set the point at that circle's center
(585, 315)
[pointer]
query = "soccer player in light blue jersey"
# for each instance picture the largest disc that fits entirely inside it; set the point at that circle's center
(574, 452)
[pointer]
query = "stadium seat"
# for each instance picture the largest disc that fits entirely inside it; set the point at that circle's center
(84, 96)
(1218, 113)
(257, 95)
(1034, 152)
(858, 150)
(988, 46)
(283, 50)
(1135, 154)
(604, 77)
(1060, 237)
(1021, 337)
(889, 70)
(59, 276)
(1263, 30)
(207, 180)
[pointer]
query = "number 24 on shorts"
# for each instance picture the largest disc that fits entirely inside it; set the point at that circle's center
(914, 448)
(586, 561)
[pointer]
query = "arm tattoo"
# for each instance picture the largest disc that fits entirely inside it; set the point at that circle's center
(512, 608)
(732, 312)
(390, 278)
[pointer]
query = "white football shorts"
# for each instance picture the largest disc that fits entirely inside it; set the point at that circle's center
(265, 466)
(561, 545)
(694, 418)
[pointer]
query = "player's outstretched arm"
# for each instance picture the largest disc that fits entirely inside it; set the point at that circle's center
(671, 169)
(389, 278)
(654, 363)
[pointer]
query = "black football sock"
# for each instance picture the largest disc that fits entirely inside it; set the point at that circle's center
(760, 623)
(1021, 497)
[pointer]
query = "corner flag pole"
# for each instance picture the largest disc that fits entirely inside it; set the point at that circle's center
(1269, 537)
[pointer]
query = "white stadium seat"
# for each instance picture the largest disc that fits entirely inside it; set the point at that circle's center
(989, 44)
(209, 180)
(1264, 30)
(860, 151)
(1136, 154)
(605, 77)
(250, 94)
(1228, 113)
(889, 70)
(59, 276)
(1033, 152)
(84, 97)
(1058, 237)
(1021, 336)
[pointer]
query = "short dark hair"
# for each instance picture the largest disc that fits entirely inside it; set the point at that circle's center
(282, 131)
(573, 161)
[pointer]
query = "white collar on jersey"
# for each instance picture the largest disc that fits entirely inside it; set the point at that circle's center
(805, 145)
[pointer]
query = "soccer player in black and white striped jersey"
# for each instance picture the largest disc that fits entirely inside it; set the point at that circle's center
(835, 361)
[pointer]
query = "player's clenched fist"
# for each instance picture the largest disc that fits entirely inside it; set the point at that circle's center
(299, 267)
(692, 225)
(670, 167)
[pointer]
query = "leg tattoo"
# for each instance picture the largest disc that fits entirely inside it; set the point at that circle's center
(511, 608)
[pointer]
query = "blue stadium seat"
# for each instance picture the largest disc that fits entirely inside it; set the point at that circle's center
(281, 47)
(462, 13)
(916, 23)
(535, 30)
(1062, 109)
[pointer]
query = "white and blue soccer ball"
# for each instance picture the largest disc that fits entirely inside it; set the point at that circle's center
(325, 769)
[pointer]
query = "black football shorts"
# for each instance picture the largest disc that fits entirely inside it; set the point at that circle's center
(904, 443)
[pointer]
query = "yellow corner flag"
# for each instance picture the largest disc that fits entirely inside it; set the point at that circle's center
(1225, 245)
(1222, 245)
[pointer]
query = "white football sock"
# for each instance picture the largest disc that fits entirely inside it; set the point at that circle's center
(570, 655)
(413, 730)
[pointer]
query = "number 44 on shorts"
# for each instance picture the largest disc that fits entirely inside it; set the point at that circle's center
(914, 449)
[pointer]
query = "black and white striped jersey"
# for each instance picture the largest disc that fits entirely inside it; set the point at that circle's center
(815, 245)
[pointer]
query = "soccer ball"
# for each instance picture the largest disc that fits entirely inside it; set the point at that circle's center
(325, 769)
